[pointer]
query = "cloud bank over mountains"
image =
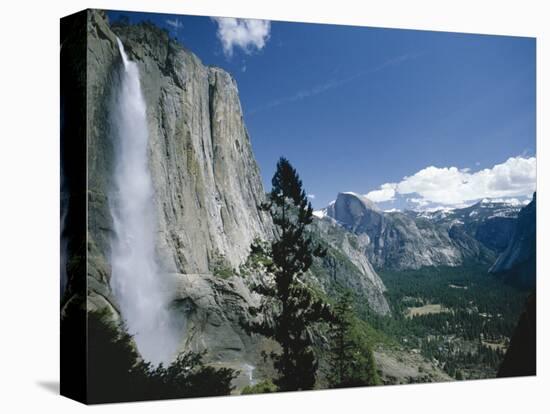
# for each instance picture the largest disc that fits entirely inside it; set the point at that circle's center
(451, 186)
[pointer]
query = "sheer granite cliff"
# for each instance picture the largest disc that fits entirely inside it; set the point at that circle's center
(206, 182)
(207, 189)
(205, 176)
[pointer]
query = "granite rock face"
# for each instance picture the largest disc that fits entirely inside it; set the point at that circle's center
(213, 309)
(346, 265)
(206, 181)
(207, 184)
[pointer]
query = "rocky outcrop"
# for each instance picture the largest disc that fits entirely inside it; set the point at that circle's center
(213, 309)
(404, 367)
(517, 264)
(345, 265)
(399, 241)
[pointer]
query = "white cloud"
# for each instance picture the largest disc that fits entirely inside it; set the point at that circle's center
(247, 34)
(419, 201)
(311, 196)
(386, 192)
(516, 177)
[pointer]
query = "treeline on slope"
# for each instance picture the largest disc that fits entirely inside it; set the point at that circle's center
(291, 310)
(351, 359)
(477, 310)
(116, 372)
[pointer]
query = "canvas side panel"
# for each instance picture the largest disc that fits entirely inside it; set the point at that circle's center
(73, 205)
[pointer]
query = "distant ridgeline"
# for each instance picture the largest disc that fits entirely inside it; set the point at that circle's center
(493, 233)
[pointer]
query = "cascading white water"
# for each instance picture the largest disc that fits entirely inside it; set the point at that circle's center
(137, 281)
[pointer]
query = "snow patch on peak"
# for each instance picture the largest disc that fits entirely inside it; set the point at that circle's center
(320, 213)
(514, 202)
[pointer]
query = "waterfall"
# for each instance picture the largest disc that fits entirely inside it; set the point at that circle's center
(138, 283)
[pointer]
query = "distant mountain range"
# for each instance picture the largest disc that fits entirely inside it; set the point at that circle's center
(412, 239)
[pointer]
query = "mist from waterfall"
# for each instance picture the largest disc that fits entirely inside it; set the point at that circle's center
(137, 281)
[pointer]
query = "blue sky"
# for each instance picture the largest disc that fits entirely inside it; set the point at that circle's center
(356, 108)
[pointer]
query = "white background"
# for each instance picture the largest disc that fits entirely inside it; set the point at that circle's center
(29, 80)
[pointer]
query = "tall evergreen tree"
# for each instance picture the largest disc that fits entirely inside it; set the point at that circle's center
(290, 303)
(351, 360)
(342, 347)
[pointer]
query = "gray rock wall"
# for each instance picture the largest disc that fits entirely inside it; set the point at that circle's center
(345, 265)
(205, 176)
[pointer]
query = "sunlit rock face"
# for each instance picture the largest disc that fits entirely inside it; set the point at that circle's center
(194, 177)
(206, 181)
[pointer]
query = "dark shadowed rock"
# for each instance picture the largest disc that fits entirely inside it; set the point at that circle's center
(517, 263)
(521, 357)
